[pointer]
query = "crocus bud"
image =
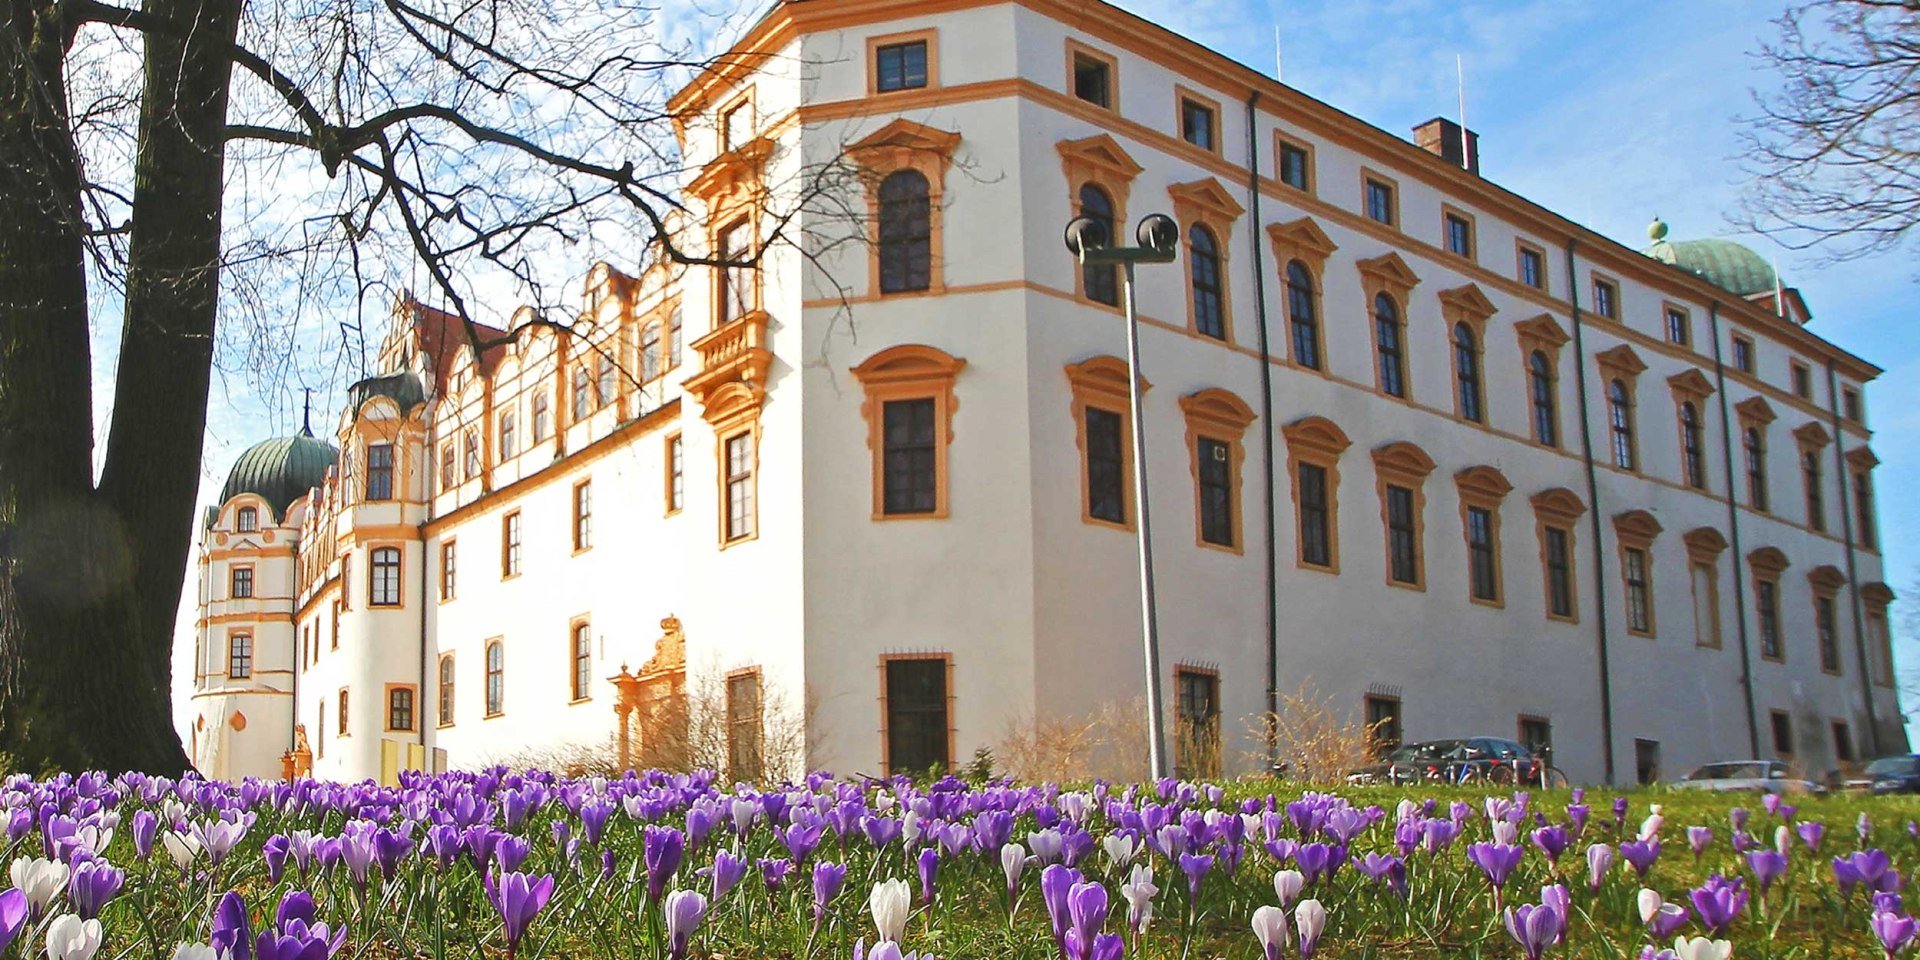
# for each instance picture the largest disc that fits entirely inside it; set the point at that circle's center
(1270, 928)
(1287, 885)
(1311, 919)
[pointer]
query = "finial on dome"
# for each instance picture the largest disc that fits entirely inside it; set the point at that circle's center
(306, 412)
(1657, 230)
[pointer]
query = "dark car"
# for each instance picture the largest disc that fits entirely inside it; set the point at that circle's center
(1900, 774)
(1464, 760)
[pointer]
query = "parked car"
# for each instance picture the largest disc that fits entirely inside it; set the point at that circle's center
(1766, 776)
(1896, 774)
(1462, 760)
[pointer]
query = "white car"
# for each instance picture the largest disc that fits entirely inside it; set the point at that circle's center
(1766, 776)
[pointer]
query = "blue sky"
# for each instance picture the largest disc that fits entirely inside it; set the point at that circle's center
(1608, 113)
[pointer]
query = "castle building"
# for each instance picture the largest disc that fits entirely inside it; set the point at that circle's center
(1456, 463)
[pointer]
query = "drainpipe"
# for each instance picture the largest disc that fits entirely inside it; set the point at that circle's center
(1268, 433)
(1593, 517)
(1840, 479)
(1733, 532)
(420, 687)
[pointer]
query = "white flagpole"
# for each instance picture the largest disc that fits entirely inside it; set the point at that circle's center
(1460, 75)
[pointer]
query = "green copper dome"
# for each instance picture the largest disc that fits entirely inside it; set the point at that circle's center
(1723, 263)
(280, 470)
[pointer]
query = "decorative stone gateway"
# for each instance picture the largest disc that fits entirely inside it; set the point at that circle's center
(658, 694)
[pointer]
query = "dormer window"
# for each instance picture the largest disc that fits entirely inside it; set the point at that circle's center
(248, 519)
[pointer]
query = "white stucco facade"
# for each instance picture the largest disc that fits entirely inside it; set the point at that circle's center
(1027, 601)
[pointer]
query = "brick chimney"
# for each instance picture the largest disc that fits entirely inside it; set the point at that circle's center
(1442, 138)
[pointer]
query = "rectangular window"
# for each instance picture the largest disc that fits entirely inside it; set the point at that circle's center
(334, 628)
(471, 443)
(446, 570)
(248, 519)
(676, 474)
(1296, 169)
(1879, 649)
(510, 545)
(1559, 572)
(241, 587)
(1536, 734)
(379, 471)
(736, 275)
(346, 581)
(1316, 540)
(1459, 235)
(383, 580)
(342, 712)
(1782, 732)
(1646, 761)
(240, 656)
(916, 711)
(1197, 123)
(1823, 624)
(736, 125)
(1482, 560)
(1811, 478)
(1216, 491)
(745, 727)
(582, 515)
(1106, 467)
(1850, 404)
(1093, 80)
(496, 679)
(509, 435)
(910, 474)
(900, 66)
(1533, 268)
(1383, 725)
(447, 479)
(1606, 298)
(446, 690)
(1742, 354)
(1679, 327)
(1403, 548)
(580, 651)
(1766, 600)
(400, 710)
(1379, 197)
(739, 485)
(1639, 592)
(1863, 509)
(1706, 605)
(1842, 742)
(1802, 380)
(1197, 711)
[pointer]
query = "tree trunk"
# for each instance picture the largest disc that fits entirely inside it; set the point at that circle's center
(90, 579)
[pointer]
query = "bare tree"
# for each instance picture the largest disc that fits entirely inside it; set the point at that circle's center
(1835, 153)
(199, 166)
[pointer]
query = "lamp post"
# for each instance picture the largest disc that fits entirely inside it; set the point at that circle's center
(1157, 237)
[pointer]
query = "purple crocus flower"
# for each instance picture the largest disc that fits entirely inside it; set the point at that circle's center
(1886, 903)
(1535, 928)
(91, 885)
(1767, 866)
(1894, 930)
(1698, 839)
(1313, 859)
(683, 909)
(928, 863)
(1496, 860)
(1056, 882)
(509, 852)
(1577, 814)
(274, 852)
(1869, 867)
(1552, 841)
(1641, 855)
(146, 827)
(880, 831)
(1718, 903)
(1737, 818)
(1811, 831)
(660, 856)
(518, 898)
(1086, 914)
(1195, 866)
(773, 872)
(1383, 868)
(828, 878)
(726, 871)
(13, 916)
(1619, 814)
(232, 934)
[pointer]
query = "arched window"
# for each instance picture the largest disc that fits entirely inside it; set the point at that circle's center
(496, 678)
(1546, 423)
(581, 386)
(1466, 370)
(542, 417)
(1203, 270)
(649, 352)
(1620, 423)
(1300, 313)
(446, 689)
(906, 232)
(602, 380)
(1816, 507)
(582, 655)
(248, 519)
(383, 578)
(1100, 280)
(509, 435)
(1386, 334)
(1756, 448)
(1692, 446)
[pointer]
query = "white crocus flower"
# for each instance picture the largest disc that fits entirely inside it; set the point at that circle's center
(1013, 859)
(195, 951)
(181, 847)
(71, 938)
(1783, 839)
(1505, 833)
(1311, 918)
(1700, 948)
(1650, 902)
(910, 827)
(1270, 928)
(1120, 848)
(1139, 892)
(890, 902)
(1287, 885)
(1650, 827)
(40, 879)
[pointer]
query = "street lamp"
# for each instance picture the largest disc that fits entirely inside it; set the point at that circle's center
(1157, 238)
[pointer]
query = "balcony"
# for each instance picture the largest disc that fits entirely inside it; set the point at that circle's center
(736, 353)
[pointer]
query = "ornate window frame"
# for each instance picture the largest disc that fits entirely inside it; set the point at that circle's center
(1877, 598)
(1621, 364)
(1637, 530)
(1217, 414)
(1866, 519)
(1826, 582)
(928, 151)
(1810, 440)
(1207, 203)
(1559, 509)
(1704, 546)
(1542, 335)
(1098, 160)
(1467, 305)
(909, 372)
(1389, 274)
(1692, 386)
(1101, 383)
(1403, 464)
(1303, 240)
(1484, 487)
(1766, 565)
(1756, 416)
(1320, 442)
